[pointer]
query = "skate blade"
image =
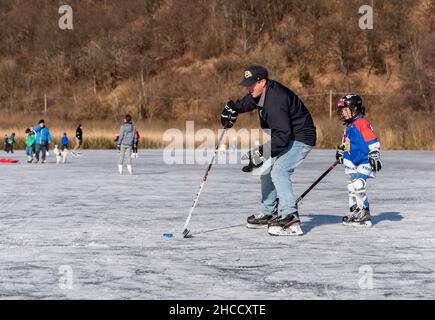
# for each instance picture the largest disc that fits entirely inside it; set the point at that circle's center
(279, 231)
(365, 224)
(256, 226)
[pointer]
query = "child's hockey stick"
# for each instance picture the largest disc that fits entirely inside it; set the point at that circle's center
(317, 181)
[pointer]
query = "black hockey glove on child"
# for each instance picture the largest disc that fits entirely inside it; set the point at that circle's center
(229, 115)
(339, 153)
(375, 160)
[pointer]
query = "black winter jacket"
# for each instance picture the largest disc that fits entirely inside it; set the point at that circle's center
(284, 114)
(79, 133)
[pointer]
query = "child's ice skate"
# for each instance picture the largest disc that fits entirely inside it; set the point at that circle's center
(361, 218)
(347, 218)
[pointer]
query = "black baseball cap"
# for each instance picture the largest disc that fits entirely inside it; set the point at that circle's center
(253, 74)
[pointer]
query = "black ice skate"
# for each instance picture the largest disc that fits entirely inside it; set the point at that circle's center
(361, 218)
(260, 221)
(346, 219)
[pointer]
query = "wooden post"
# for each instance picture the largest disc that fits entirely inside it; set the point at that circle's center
(330, 104)
(142, 95)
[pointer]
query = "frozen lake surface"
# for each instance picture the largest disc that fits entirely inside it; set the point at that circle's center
(82, 231)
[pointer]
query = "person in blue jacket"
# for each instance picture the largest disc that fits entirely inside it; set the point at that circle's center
(64, 141)
(42, 140)
(359, 151)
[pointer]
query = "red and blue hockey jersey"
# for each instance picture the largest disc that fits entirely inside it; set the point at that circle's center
(359, 139)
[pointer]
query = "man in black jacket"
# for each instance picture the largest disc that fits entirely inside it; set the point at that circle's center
(79, 141)
(293, 135)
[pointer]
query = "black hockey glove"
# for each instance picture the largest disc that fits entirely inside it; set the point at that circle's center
(251, 165)
(339, 154)
(375, 160)
(229, 115)
(256, 159)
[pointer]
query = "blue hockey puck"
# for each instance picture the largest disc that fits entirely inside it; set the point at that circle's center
(168, 235)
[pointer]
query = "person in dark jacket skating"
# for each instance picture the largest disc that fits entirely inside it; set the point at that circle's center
(79, 141)
(293, 135)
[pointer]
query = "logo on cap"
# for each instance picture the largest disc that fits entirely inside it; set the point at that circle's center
(248, 74)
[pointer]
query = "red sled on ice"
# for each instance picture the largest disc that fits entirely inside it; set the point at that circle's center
(8, 161)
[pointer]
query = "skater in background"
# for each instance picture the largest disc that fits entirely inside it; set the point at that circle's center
(359, 151)
(118, 147)
(42, 140)
(135, 144)
(30, 144)
(64, 142)
(10, 143)
(293, 135)
(5, 140)
(79, 141)
(125, 143)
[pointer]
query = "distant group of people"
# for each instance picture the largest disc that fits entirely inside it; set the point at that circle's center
(38, 142)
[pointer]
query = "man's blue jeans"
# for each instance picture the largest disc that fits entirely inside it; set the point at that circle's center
(40, 148)
(277, 183)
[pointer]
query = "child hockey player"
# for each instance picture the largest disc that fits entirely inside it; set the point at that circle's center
(30, 144)
(360, 153)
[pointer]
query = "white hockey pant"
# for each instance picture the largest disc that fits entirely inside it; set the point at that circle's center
(358, 193)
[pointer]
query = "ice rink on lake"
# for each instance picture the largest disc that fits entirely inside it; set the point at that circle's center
(82, 231)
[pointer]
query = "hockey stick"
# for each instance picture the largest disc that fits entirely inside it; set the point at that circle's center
(317, 181)
(186, 231)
